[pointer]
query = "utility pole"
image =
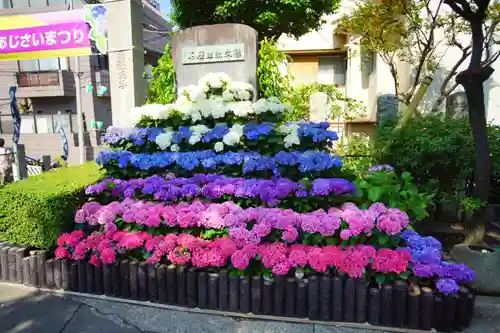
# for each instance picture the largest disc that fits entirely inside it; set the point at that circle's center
(79, 112)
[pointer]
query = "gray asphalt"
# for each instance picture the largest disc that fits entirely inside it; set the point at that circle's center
(25, 311)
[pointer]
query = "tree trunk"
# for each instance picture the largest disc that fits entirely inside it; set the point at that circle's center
(472, 80)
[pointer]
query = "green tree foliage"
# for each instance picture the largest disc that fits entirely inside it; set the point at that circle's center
(270, 18)
(272, 82)
(405, 30)
(161, 86)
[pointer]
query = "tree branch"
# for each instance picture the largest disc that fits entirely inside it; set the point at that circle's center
(488, 62)
(452, 72)
(427, 51)
(463, 10)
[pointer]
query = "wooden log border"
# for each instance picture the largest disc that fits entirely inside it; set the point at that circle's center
(317, 297)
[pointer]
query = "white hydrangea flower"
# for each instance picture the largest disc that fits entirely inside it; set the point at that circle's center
(241, 109)
(190, 110)
(199, 129)
(214, 80)
(241, 91)
(215, 108)
(193, 139)
(134, 116)
(283, 129)
(293, 136)
(185, 91)
(155, 111)
(199, 93)
(232, 138)
(227, 96)
(244, 95)
(181, 100)
(260, 106)
(237, 128)
(164, 140)
(219, 146)
(272, 105)
(174, 148)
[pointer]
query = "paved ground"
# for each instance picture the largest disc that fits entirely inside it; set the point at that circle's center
(25, 311)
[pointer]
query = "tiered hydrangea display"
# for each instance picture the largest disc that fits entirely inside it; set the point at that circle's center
(216, 181)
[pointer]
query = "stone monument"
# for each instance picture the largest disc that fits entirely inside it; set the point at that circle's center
(387, 108)
(319, 106)
(456, 105)
(126, 57)
(228, 48)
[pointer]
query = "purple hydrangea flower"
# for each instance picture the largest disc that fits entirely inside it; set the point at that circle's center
(447, 286)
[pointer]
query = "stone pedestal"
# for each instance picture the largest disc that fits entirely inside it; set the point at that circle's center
(486, 266)
(126, 57)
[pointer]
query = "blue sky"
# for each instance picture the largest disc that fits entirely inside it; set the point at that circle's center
(165, 6)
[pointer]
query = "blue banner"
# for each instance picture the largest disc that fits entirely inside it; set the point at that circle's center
(16, 117)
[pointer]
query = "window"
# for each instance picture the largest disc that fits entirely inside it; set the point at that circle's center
(28, 124)
(38, 3)
(7, 124)
(40, 123)
(44, 123)
(368, 58)
(4, 4)
(20, 4)
(58, 2)
(40, 65)
(331, 70)
(32, 3)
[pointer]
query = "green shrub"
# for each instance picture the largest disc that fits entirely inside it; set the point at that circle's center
(438, 153)
(36, 210)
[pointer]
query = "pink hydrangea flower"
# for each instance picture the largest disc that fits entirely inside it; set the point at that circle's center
(61, 241)
(272, 254)
(282, 268)
(345, 234)
(240, 260)
(377, 208)
(80, 251)
(317, 259)
(290, 234)
(74, 237)
(250, 250)
(179, 256)
(227, 246)
(94, 260)
(390, 261)
(130, 241)
(393, 221)
(297, 256)
(240, 236)
(108, 255)
(153, 243)
(262, 229)
(62, 252)
(354, 261)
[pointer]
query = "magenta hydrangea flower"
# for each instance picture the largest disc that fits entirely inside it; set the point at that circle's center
(240, 260)
(290, 234)
(179, 256)
(282, 268)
